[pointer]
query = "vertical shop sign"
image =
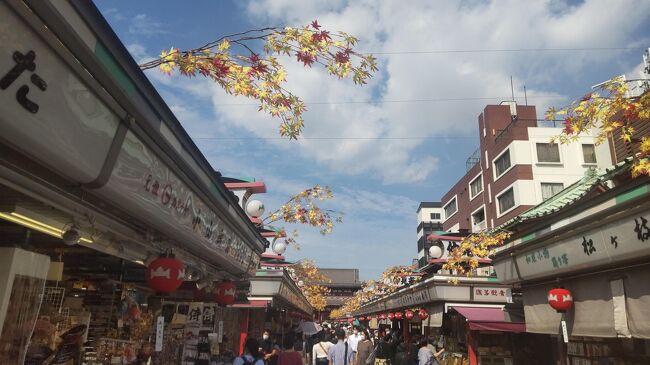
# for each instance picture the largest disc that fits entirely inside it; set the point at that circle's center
(220, 332)
(565, 333)
(160, 327)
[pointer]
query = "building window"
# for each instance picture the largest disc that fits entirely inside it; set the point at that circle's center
(478, 216)
(476, 186)
(550, 189)
(548, 152)
(435, 215)
(588, 153)
(506, 200)
(450, 208)
(502, 163)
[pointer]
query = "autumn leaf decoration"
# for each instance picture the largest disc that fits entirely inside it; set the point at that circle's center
(609, 110)
(304, 208)
(261, 76)
(311, 282)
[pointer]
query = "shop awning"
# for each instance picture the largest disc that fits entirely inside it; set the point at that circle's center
(489, 319)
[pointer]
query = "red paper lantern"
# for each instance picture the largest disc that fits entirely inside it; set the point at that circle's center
(423, 314)
(398, 315)
(391, 316)
(350, 320)
(560, 299)
(224, 293)
(382, 316)
(165, 274)
(409, 315)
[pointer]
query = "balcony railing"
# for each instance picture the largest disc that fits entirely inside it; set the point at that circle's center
(473, 159)
(539, 123)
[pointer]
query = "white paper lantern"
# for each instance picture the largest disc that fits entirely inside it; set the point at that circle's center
(255, 208)
(435, 252)
(279, 247)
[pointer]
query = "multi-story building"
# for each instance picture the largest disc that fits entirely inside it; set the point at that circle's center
(516, 167)
(429, 221)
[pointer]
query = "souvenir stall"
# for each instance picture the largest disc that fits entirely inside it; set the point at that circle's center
(581, 259)
(276, 303)
(98, 183)
(473, 320)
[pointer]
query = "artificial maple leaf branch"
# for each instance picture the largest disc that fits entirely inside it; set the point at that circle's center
(609, 110)
(261, 78)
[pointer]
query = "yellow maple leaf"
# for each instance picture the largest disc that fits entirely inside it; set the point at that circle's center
(224, 45)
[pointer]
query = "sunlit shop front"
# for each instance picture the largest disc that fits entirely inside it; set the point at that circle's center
(110, 217)
(275, 303)
(475, 320)
(581, 259)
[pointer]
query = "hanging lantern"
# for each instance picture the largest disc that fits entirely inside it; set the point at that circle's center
(350, 320)
(224, 293)
(409, 315)
(382, 316)
(165, 274)
(398, 315)
(391, 316)
(436, 251)
(254, 208)
(423, 314)
(560, 299)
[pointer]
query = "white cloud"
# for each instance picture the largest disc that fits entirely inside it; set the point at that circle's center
(380, 140)
(143, 24)
(390, 26)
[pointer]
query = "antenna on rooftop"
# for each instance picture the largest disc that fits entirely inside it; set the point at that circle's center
(512, 89)
(525, 96)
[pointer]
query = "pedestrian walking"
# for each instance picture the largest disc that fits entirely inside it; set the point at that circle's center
(252, 354)
(340, 353)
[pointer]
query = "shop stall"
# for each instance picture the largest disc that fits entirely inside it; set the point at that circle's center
(98, 181)
(581, 261)
(276, 303)
(475, 320)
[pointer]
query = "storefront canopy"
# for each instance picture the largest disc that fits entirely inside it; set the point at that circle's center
(489, 319)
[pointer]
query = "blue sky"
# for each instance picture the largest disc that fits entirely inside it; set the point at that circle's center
(398, 140)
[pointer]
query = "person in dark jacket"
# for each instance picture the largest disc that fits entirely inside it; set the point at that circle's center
(401, 355)
(385, 351)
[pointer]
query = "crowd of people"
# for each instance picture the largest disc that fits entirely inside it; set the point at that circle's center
(352, 345)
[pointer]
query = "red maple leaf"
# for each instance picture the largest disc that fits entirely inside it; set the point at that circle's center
(305, 58)
(221, 69)
(568, 129)
(254, 58)
(315, 24)
(342, 57)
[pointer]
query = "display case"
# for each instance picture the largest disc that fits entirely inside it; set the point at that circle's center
(22, 281)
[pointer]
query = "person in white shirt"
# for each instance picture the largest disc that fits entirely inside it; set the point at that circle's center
(353, 341)
(320, 349)
(426, 356)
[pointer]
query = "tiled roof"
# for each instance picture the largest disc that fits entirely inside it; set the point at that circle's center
(574, 192)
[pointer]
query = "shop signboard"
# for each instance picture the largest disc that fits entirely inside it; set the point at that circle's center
(622, 239)
(143, 183)
(419, 296)
(491, 294)
(46, 110)
(288, 294)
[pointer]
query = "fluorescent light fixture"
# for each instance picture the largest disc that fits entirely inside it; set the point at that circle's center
(139, 262)
(36, 225)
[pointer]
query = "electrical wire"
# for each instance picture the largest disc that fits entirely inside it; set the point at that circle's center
(506, 50)
(435, 100)
(554, 122)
